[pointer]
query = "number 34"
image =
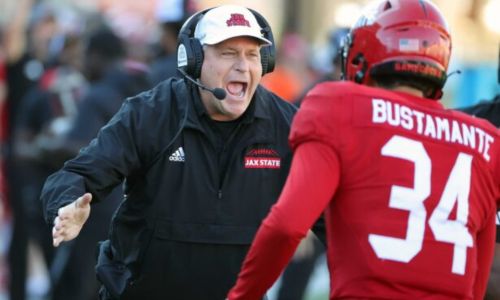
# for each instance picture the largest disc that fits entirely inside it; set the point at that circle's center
(412, 199)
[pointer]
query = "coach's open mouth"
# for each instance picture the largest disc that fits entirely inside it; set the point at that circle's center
(237, 88)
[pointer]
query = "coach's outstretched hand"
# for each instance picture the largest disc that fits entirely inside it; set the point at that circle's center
(70, 219)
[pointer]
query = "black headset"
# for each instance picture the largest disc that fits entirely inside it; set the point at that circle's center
(190, 50)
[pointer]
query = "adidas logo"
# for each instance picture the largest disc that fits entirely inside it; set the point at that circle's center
(178, 155)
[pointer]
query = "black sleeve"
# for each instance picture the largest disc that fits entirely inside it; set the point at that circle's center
(99, 167)
(488, 109)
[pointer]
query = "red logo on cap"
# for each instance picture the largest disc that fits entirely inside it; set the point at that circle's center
(237, 20)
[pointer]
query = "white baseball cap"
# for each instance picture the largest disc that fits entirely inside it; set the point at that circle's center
(228, 21)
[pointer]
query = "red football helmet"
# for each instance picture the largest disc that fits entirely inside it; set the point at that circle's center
(406, 38)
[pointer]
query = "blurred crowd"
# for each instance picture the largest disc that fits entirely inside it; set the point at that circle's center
(64, 72)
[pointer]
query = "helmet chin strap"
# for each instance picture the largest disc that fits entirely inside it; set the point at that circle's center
(437, 95)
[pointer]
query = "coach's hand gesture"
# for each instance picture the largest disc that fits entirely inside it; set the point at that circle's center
(70, 219)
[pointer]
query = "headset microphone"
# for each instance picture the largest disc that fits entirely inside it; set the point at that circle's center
(458, 72)
(219, 93)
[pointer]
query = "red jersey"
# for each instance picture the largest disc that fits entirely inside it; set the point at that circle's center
(409, 190)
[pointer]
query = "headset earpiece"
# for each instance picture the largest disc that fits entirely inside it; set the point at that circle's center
(189, 49)
(190, 56)
(267, 54)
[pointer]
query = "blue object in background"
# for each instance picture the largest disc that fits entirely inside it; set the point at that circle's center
(474, 84)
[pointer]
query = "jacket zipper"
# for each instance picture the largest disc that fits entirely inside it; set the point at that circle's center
(223, 177)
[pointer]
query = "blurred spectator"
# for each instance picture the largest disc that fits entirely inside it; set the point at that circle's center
(46, 113)
(333, 61)
(112, 78)
(165, 65)
(28, 42)
(291, 74)
(25, 44)
(5, 215)
(171, 14)
(3, 131)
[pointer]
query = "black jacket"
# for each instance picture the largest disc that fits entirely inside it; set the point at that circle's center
(486, 109)
(489, 110)
(182, 230)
